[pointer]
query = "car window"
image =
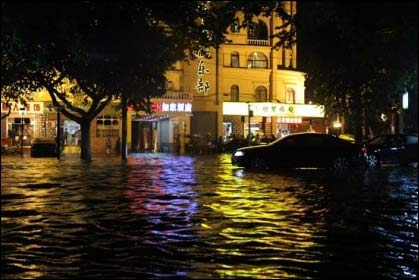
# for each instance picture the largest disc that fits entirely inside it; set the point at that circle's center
(303, 141)
(289, 142)
(378, 140)
(315, 141)
(396, 140)
(411, 139)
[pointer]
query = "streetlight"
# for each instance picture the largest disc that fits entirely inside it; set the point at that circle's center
(22, 113)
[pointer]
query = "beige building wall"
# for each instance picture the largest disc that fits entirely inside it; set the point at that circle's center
(279, 77)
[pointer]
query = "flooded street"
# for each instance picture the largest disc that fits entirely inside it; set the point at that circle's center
(168, 216)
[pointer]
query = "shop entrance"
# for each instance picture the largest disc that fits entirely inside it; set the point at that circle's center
(72, 133)
(144, 136)
(21, 131)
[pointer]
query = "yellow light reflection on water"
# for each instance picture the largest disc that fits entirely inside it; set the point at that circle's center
(257, 216)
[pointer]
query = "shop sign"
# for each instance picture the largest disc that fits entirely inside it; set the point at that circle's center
(172, 107)
(287, 110)
(202, 85)
(31, 107)
(268, 109)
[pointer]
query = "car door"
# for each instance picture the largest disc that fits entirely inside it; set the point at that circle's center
(300, 151)
(285, 152)
(410, 152)
(395, 148)
(314, 152)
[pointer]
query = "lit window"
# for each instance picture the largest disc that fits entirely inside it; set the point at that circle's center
(257, 60)
(290, 95)
(261, 94)
(107, 126)
(234, 93)
(235, 59)
(235, 26)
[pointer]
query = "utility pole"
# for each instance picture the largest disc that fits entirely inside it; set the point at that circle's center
(250, 114)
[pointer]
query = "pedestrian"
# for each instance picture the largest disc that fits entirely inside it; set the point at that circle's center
(12, 135)
(108, 145)
(118, 145)
(76, 137)
(65, 136)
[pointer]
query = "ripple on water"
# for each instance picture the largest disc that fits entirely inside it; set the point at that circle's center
(166, 216)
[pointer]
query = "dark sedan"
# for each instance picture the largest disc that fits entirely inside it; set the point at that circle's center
(44, 147)
(301, 150)
(392, 148)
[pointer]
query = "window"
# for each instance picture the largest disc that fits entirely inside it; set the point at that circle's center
(261, 94)
(235, 59)
(234, 93)
(290, 95)
(251, 33)
(410, 139)
(257, 60)
(235, 26)
(257, 31)
(107, 126)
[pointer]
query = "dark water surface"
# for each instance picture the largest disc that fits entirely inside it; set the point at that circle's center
(166, 216)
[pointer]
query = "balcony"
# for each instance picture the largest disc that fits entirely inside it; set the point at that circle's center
(256, 42)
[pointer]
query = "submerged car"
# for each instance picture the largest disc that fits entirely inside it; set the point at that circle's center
(392, 148)
(44, 147)
(301, 150)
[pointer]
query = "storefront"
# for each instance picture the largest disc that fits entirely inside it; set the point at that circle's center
(268, 119)
(166, 130)
(24, 124)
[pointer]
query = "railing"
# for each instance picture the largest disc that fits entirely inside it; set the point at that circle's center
(258, 42)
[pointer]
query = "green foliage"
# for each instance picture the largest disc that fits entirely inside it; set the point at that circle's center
(109, 49)
(359, 56)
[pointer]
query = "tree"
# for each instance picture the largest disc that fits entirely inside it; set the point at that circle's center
(93, 52)
(15, 85)
(359, 57)
(94, 64)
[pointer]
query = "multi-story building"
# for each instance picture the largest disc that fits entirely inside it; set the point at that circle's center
(246, 74)
(243, 86)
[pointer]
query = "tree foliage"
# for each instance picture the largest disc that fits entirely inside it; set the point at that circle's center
(86, 53)
(359, 58)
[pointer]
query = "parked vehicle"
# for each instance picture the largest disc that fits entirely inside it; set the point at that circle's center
(44, 147)
(301, 150)
(392, 148)
(347, 137)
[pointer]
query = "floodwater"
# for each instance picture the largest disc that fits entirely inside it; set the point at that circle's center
(165, 216)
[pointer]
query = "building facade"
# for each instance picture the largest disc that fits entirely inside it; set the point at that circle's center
(243, 87)
(247, 78)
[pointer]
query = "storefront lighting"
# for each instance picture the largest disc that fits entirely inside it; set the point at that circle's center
(22, 113)
(337, 124)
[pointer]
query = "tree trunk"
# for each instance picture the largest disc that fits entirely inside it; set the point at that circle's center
(124, 108)
(86, 152)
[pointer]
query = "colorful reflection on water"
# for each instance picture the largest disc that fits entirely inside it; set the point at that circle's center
(167, 216)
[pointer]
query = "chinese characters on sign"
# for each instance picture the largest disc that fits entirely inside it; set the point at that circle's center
(202, 86)
(268, 109)
(31, 107)
(172, 107)
(271, 109)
